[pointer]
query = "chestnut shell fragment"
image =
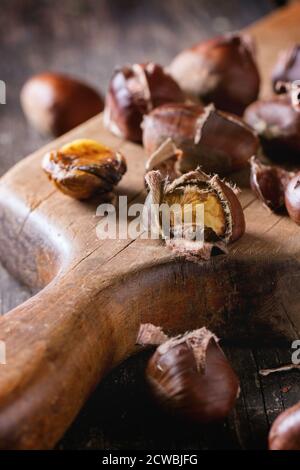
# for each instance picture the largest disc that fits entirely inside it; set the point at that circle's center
(83, 168)
(190, 375)
(269, 183)
(221, 70)
(217, 141)
(292, 198)
(287, 68)
(133, 92)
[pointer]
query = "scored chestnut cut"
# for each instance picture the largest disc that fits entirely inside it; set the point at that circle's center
(189, 374)
(269, 183)
(221, 70)
(277, 122)
(217, 141)
(222, 220)
(285, 431)
(55, 103)
(134, 91)
(292, 198)
(83, 168)
(287, 68)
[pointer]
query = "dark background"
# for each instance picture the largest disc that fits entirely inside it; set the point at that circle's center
(88, 39)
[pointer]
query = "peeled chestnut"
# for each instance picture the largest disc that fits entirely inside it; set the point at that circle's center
(221, 220)
(269, 183)
(83, 168)
(277, 122)
(55, 103)
(217, 141)
(189, 374)
(292, 198)
(287, 68)
(134, 91)
(221, 70)
(285, 431)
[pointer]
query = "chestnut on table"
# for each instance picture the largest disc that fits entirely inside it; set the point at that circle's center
(96, 294)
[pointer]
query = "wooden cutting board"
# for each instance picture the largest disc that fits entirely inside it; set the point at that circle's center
(95, 293)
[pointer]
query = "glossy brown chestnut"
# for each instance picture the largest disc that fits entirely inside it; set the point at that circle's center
(287, 68)
(134, 91)
(269, 183)
(217, 141)
(292, 198)
(83, 168)
(224, 220)
(277, 122)
(221, 70)
(285, 431)
(190, 374)
(55, 103)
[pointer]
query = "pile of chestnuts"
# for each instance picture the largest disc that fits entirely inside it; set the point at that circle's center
(198, 118)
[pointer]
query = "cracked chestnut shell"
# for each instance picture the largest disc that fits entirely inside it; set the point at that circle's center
(133, 92)
(217, 141)
(224, 220)
(269, 183)
(83, 168)
(292, 198)
(221, 70)
(287, 68)
(277, 122)
(190, 374)
(55, 103)
(285, 431)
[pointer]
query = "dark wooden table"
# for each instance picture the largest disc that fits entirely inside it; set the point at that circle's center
(88, 39)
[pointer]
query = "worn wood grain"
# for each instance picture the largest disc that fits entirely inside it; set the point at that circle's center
(247, 429)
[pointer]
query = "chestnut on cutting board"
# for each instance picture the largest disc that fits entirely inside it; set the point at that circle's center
(221, 70)
(54, 103)
(223, 219)
(134, 91)
(217, 141)
(83, 168)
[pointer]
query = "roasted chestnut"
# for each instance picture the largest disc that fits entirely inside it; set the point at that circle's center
(292, 198)
(134, 91)
(285, 431)
(269, 183)
(217, 141)
(55, 103)
(189, 374)
(204, 212)
(277, 122)
(83, 168)
(221, 70)
(287, 68)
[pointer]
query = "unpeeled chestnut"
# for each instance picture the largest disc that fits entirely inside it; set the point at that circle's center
(285, 431)
(54, 103)
(135, 91)
(277, 122)
(217, 141)
(221, 70)
(189, 374)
